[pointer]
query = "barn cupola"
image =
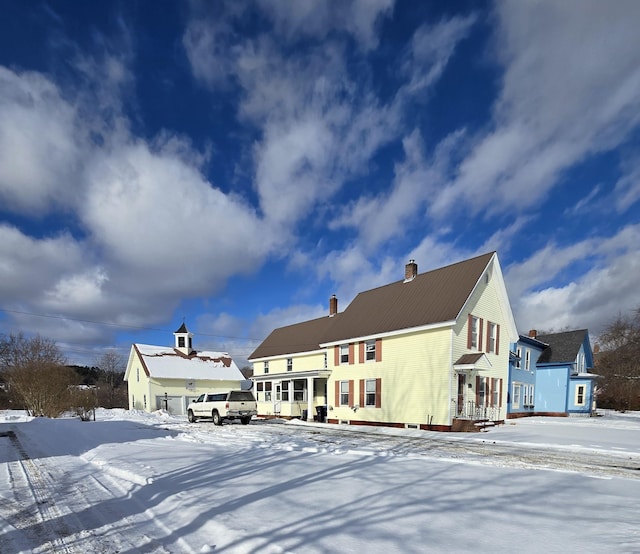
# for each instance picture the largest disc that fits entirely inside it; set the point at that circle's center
(183, 340)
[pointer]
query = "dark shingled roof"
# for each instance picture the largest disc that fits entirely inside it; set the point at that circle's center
(467, 359)
(183, 329)
(300, 337)
(432, 297)
(563, 347)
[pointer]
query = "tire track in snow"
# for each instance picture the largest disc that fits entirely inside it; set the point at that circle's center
(38, 517)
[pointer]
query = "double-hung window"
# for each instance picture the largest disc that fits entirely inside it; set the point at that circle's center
(289, 364)
(527, 360)
(495, 392)
(285, 391)
(298, 390)
(482, 391)
(516, 395)
(474, 322)
(344, 393)
(580, 390)
(344, 353)
(491, 337)
(266, 367)
(267, 391)
(370, 392)
(370, 350)
(518, 357)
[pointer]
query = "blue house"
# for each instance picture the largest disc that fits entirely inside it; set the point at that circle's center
(523, 359)
(564, 385)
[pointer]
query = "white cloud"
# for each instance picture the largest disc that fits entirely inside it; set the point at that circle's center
(569, 90)
(547, 293)
(431, 48)
(152, 214)
(209, 48)
(317, 19)
(391, 213)
(40, 144)
(28, 265)
(627, 189)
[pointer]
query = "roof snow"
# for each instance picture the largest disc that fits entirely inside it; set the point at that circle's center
(166, 363)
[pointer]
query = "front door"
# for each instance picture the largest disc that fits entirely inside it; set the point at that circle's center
(462, 385)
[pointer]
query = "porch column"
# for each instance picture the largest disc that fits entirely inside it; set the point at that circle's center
(310, 394)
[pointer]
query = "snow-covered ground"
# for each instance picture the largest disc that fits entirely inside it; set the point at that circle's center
(133, 482)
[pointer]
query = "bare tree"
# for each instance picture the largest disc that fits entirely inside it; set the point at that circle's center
(619, 363)
(112, 392)
(35, 372)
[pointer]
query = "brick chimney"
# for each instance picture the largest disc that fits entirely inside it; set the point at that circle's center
(533, 333)
(333, 305)
(410, 271)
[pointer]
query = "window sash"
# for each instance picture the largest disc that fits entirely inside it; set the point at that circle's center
(474, 332)
(516, 395)
(370, 350)
(344, 393)
(344, 353)
(370, 392)
(289, 364)
(492, 337)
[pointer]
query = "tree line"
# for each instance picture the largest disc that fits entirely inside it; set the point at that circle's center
(617, 361)
(34, 376)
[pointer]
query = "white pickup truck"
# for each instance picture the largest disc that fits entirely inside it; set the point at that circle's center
(235, 404)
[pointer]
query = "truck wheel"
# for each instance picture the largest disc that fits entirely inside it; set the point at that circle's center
(245, 420)
(192, 418)
(217, 420)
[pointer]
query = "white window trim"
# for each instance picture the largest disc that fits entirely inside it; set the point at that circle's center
(341, 393)
(518, 387)
(368, 350)
(492, 336)
(527, 360)
(475, 331)
(519, 357)
(343, 348)
(584, 395)
(367, 382)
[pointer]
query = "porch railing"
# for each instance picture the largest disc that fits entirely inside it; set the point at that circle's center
(476, 412)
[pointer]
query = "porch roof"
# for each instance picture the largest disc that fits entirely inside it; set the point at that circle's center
(292, 375)
(477, 360)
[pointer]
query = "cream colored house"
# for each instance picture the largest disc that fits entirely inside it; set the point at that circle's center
(430, 351)
(160, 377)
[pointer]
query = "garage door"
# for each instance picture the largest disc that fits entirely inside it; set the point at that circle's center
(173, 404)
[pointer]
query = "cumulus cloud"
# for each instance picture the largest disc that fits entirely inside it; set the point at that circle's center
(141, 207)
(40, 144)
(548, 293)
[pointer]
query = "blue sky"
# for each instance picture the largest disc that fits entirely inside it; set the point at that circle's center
(235, 164)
